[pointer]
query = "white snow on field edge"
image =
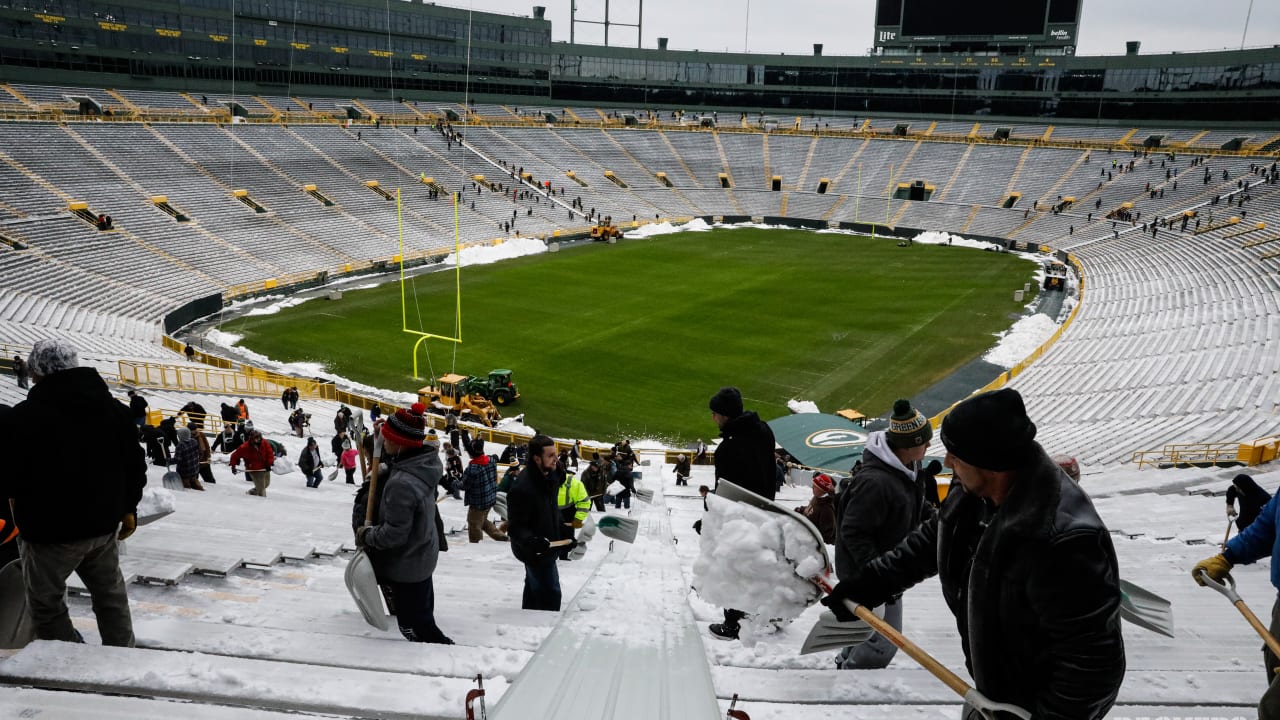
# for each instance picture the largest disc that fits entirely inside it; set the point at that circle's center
(489, 254)
(1021, 340)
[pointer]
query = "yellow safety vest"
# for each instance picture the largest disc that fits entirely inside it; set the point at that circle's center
(573, 494)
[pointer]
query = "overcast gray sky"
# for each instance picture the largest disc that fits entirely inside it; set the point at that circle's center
(845, 26)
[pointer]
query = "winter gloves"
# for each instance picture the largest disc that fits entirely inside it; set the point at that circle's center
(836, 601)
(128, 524)
(360, 533)
(1231, 511)
(1216, 567)
(538, 545)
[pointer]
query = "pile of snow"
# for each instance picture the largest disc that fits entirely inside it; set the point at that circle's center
(1021, 340)
(802, 406)
(488, 254)
(515, 425)
(933, 237)
(756, 561)
(666, 228)
(155, 501)
(277, 306)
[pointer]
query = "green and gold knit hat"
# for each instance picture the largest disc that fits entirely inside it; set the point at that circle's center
(908, 428)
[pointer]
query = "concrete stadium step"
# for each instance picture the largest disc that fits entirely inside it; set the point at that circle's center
(142, 570)
(918, 686)
(241, 682)
(23, 703)
(393, 655)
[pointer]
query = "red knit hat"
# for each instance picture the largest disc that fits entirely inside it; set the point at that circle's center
(407, 428)
(824, 483)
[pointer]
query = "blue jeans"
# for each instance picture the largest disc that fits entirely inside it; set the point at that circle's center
(416, 611)
(622, 498)
(541, 587)
(313, 480)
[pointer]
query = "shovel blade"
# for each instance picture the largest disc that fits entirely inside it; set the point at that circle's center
(16, 630)
(172, 481)
(644, 495)
(500, 505)
(363, 586)
(618, 528)
(831, 634)
(1146, 609)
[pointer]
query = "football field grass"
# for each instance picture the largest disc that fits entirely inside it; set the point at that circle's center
(630, 340)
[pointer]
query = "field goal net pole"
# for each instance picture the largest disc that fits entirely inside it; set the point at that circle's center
(404, 307)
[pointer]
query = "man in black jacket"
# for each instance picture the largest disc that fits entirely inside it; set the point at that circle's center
(69, 506)
(533, 520)
(1026, 566)
(884, 502)
(744, 458)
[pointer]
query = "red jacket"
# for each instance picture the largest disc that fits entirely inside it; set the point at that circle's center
(256, 457)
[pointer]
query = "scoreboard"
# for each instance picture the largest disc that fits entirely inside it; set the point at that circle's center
(977, 24)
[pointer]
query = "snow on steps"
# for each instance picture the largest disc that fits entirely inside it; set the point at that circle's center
(626, 646)
(24, 703)
(775, 711)
(916, 686)
(239, 681)
(391, 654)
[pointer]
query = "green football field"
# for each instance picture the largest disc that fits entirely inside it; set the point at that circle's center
(630, 340)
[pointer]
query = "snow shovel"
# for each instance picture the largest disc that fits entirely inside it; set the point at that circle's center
(1145, 609)
(618, 527)
(975, 699)
(500, 505)
(644, 495)
(172, 481)
(1228, 589)
(1227, 537)
(16, 630)
(359, 576)
(831, 634)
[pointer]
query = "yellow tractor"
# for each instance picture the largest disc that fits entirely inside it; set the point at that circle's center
(605, 230)
(450, 393)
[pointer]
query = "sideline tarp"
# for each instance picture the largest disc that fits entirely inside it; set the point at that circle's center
(819, 440)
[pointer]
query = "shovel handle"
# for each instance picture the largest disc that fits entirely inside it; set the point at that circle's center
(916, 653)
(1228, 589)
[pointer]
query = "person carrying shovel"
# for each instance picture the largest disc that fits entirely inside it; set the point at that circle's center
(1256, 541)
(1025, 563)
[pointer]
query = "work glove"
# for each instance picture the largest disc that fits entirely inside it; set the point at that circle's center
(1231, 511)
(835, 601)
(1216, 567)
(128, 524)
(234, 470)
(539, 545)
(360, 536)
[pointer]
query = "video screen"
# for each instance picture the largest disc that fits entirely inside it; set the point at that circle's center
(990, 17)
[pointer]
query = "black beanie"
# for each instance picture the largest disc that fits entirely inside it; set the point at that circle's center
(907, 428)
(727, 402)
(990, 431)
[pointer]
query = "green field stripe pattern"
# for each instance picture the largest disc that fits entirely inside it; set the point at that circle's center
(631, 339)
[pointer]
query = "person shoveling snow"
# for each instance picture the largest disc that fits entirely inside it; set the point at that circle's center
(758, 562)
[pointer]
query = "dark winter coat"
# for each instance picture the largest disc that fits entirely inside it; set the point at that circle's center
(480, 482)
(309, 460)
(1036, 596)
(229, 413)
(138, 406)
(683, 468)
(187, 457)
(404, 540)
(71, 487)
(1252, 499)
(879, 508)
(595, 479)
(532, 516)
(745, 455)
(195, 415)
(821, 511)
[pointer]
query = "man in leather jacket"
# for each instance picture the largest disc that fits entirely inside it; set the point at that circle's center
(1026, 566)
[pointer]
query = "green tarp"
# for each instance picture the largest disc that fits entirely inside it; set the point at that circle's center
(818, 440)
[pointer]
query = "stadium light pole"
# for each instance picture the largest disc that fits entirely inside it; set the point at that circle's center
(1247, 15)
(746, 27)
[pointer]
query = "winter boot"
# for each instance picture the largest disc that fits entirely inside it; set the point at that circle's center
(724, 631)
